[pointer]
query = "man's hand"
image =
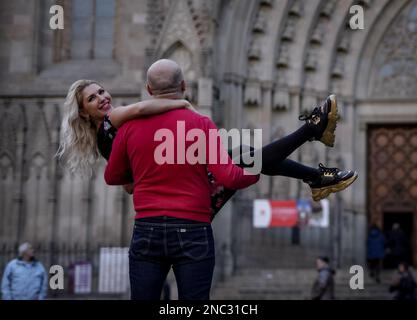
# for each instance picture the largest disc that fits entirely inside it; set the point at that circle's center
(128, 188)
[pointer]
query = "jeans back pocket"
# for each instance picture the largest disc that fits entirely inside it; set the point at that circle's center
(194, 242)
(141, 240)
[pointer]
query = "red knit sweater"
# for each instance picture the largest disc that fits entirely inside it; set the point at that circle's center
(176, 190)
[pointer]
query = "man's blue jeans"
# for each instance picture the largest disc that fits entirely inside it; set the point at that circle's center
(161, 242)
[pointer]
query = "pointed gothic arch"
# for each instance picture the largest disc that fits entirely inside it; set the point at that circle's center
(180, 53)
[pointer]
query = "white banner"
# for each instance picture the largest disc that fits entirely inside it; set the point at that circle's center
(82, 278)
(114, 270)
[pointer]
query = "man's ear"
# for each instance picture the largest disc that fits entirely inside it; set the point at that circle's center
(148, 88)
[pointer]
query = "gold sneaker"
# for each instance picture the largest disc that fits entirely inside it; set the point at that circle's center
(324, 121)
(331, 180)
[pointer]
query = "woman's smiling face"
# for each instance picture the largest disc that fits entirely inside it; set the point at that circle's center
(96, 102)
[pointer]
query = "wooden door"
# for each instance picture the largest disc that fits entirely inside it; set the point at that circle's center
(392, 175)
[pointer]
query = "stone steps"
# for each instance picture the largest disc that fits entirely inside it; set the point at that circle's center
(293, 284)
(282, 258)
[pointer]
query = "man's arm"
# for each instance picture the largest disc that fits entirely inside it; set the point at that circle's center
(118, 168)
(6, 284)
(44, 285)
(223, 169)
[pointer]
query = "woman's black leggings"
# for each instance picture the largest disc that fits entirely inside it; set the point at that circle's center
(274, 163)
(275, 154)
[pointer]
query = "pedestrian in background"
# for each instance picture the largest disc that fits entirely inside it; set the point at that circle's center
(404, 284)
(24, 278)
(375, 252)
(323, 287)
(397, 245)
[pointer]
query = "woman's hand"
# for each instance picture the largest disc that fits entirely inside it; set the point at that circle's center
(144, 108)
(189, 106)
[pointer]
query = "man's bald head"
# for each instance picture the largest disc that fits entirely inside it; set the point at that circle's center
(165, 77)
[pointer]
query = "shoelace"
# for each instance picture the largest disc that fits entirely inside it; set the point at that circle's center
(305, 117)
(326, 170)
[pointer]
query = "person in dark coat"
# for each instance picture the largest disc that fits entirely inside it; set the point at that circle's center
(375, 251)
(323, 287)
(397, 245)
(404, 284)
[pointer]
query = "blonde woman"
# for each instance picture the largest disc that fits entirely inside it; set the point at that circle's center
(90, 123)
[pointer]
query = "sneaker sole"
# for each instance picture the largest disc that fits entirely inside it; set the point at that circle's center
(321, 193)
(328, 137)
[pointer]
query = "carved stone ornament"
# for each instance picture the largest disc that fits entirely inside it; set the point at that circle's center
(252, 93)
(281, 100)
(395, 69)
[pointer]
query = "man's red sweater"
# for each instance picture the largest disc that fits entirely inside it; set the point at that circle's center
(178, 190)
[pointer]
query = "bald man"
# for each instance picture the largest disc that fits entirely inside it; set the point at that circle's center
(172, 201)
(165, 78)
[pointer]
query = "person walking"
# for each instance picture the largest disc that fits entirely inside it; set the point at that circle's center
(323, 287)
(404, 284)
(375, 245)
(397, 245)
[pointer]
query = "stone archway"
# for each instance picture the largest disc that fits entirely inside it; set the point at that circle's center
(386, 115)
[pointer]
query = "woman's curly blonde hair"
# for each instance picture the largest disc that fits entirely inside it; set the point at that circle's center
(78, 150)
